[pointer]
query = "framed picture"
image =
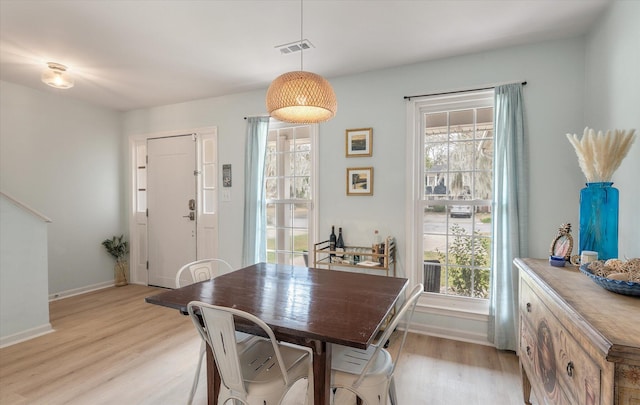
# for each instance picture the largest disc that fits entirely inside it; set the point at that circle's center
(360, 181)
(359, 142)
(562, 244)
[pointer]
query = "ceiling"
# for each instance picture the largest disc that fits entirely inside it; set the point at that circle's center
(131, 54)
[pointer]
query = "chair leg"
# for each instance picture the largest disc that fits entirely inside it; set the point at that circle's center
(392, 392)
(194, 386)
(308, 400)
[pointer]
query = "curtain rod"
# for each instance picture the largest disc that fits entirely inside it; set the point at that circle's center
(455, 92)
(264, 115)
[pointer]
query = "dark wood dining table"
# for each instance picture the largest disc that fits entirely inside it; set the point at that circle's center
(305, 306)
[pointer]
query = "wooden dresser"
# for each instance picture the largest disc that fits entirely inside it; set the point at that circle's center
(579, 344)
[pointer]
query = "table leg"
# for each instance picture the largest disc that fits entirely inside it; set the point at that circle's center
(321, 372)
(213, 379)
(526, 386)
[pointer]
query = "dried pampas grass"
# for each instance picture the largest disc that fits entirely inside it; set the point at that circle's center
(600, 155)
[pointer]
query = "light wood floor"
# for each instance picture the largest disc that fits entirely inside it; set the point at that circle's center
(110, 347)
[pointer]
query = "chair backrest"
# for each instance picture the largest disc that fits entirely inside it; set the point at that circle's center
(405, 312)
(201, 270)
(218, 330)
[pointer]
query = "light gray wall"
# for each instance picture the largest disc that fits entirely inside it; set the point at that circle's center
(63, 158)
(70, 160)
(23, 272)
(613, 101)
(553, 100)
(554, 106)
(554, 72)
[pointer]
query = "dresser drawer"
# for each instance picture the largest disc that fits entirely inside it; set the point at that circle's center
(555, 357)
(529, 361)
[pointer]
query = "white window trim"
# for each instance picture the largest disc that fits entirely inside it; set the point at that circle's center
(436, 303)
(315, 179)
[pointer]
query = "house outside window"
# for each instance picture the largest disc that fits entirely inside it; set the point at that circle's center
(290, 184)
(453, 204)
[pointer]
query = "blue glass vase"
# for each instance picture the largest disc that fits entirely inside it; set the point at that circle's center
(599, 219)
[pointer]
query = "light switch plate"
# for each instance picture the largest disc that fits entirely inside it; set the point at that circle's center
(226, 194)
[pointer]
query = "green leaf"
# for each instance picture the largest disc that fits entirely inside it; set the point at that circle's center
(116, 247)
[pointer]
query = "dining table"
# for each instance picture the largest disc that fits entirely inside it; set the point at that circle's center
(305, 306)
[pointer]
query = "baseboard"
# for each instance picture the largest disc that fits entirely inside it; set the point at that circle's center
(81, 290)
(25, 335)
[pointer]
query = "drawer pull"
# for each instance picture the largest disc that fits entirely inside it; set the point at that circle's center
(570, 369)
(528, 351)
(528, 307)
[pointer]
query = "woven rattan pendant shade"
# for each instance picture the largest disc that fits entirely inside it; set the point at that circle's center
(301, 97)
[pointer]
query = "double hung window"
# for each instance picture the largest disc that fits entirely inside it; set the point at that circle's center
(289, 183)
(454, 198)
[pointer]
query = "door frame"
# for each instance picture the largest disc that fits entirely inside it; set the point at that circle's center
(207, 223)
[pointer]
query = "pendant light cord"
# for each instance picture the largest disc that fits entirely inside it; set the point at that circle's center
(301, 35)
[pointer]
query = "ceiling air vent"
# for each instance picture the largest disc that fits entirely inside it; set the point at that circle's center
(293, 47)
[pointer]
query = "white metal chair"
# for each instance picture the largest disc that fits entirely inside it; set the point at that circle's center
(202, 270)
(368, 374)
(263, 372)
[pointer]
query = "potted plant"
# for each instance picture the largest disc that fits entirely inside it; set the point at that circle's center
(118, 248)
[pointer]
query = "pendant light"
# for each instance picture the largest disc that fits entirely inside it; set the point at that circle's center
(301, 97)
(55, 76)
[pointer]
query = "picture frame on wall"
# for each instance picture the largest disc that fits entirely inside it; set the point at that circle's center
(359, 142)
(360, 181)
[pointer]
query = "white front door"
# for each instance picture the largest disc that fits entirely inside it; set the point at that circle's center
(171, 199)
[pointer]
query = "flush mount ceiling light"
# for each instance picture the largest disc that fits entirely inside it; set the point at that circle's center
(301, 97)
(55, 76)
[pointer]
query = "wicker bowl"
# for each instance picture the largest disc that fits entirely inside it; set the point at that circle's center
(616, 286)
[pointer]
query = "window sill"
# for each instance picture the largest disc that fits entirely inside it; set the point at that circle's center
(471, 308)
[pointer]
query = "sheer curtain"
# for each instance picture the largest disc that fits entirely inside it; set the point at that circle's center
(510, 214)
(253, 237)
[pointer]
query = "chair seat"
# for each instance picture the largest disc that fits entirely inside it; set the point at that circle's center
(347, 364)
(243, 338)
(259, 363)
